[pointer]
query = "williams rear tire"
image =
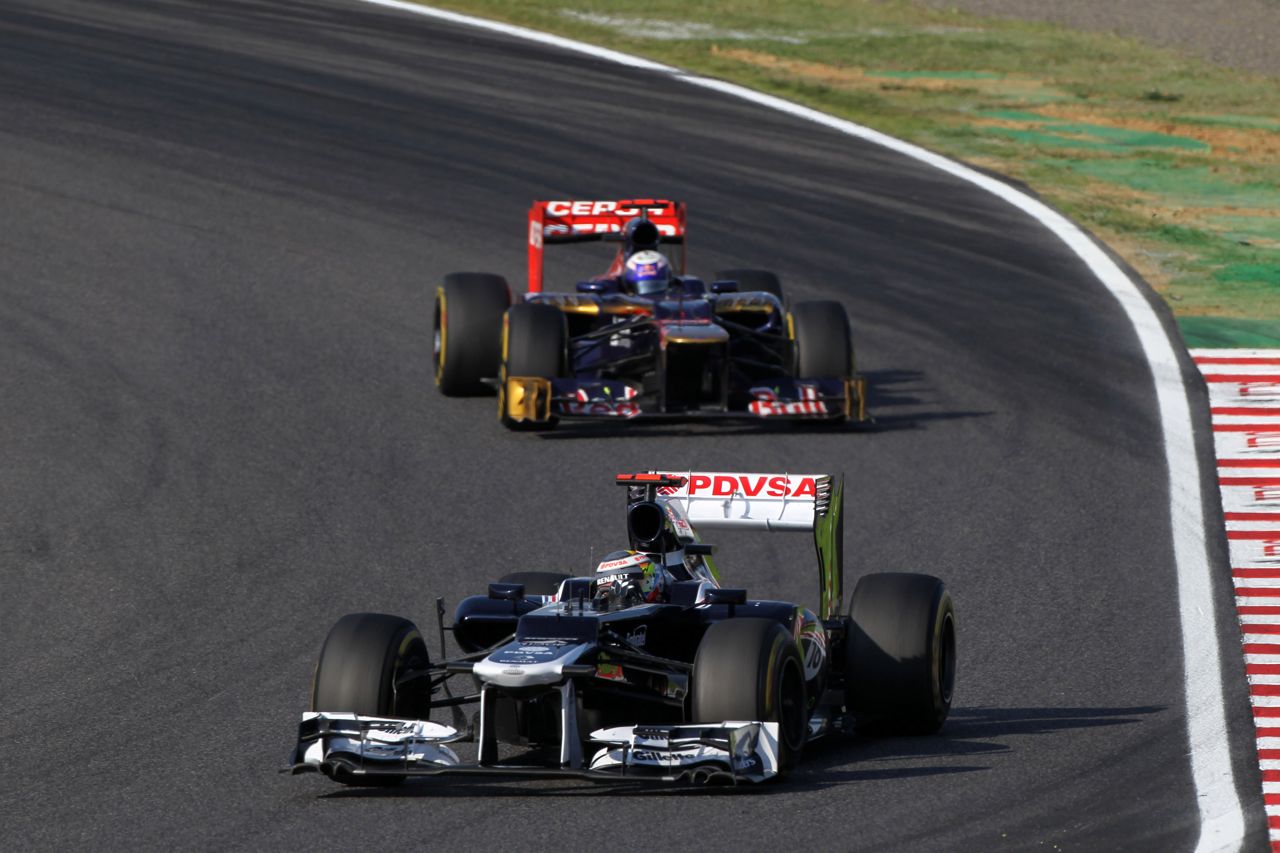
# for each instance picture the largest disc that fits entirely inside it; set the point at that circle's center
(900, 666)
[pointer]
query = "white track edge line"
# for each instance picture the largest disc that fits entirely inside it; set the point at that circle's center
(1221, 814)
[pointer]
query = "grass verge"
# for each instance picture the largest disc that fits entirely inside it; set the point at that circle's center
(1173, 162)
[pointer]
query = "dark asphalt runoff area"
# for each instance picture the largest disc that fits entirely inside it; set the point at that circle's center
(221, 227)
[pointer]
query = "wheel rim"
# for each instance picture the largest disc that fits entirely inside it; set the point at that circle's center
(946, 671)
(437, 343)
(411, 656)
(792, 714)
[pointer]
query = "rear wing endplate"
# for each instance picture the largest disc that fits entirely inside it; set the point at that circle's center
(582, 221)
(800, 502)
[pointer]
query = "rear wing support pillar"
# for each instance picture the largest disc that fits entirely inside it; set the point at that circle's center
(828, 539)
(537, 218)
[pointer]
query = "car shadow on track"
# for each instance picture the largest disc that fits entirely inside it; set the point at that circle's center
(903, 400)
(969, 735)
(1001, 722)
(888, 390)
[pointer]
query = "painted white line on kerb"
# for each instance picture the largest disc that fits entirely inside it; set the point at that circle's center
(1221, 817)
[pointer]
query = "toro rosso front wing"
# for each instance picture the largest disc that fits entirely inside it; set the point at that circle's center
(537, 400)
(335, 743)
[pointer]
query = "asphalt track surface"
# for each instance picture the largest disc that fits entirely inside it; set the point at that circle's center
(221, 225)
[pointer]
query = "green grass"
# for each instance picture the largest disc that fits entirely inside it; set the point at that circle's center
(1229, 332)
(1173, 162)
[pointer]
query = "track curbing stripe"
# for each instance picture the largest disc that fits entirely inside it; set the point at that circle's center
(1250, 515)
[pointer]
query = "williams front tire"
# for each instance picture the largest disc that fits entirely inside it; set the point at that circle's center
(750, 669)
(361, 660)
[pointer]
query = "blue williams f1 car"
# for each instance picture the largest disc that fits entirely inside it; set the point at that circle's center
(646, 669)
(643, 339)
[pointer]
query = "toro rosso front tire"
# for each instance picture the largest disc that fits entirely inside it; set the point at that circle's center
(823, 340)
(363, 656)
(536, 344)
(467, 345)
(900, 664)
(750, 669)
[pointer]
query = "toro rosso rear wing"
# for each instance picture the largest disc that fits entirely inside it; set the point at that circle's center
(581, 221)
(800, 502)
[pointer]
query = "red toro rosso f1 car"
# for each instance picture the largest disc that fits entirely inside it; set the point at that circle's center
(643, 339)
(648, 668)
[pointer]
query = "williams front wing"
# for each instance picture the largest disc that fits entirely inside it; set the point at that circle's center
(366, 748)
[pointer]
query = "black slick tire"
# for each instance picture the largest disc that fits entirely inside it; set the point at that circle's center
(753, 280)
(900, 662)
(750, 669)
(359, 663)
(467, 342)
(823, 341)
(537, 344)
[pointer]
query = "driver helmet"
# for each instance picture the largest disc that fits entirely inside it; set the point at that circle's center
(627, 578)
(646, 273)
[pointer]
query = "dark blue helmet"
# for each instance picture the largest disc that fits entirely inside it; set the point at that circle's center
(646, 274)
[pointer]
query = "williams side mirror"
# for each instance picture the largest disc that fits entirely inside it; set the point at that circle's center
(506, 591)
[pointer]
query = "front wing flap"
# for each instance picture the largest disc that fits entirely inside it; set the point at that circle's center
(373, 745)
(736, 751)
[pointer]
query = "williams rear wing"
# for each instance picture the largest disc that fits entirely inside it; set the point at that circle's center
(800, 502)
(582, 221)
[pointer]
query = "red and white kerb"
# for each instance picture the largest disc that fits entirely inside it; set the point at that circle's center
(1244, 398)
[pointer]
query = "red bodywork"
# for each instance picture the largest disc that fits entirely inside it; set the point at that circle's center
(553, 222)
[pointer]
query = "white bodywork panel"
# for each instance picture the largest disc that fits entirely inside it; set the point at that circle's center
(380, 740)
(529, 663)
(744, 749)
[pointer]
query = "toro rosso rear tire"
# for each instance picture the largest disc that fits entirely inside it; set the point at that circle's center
(536, 344)
(823, 340)
(750, 669)
(363, 656)
(753, 281)
(467, 346)
(900, 664)
(537, 583)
